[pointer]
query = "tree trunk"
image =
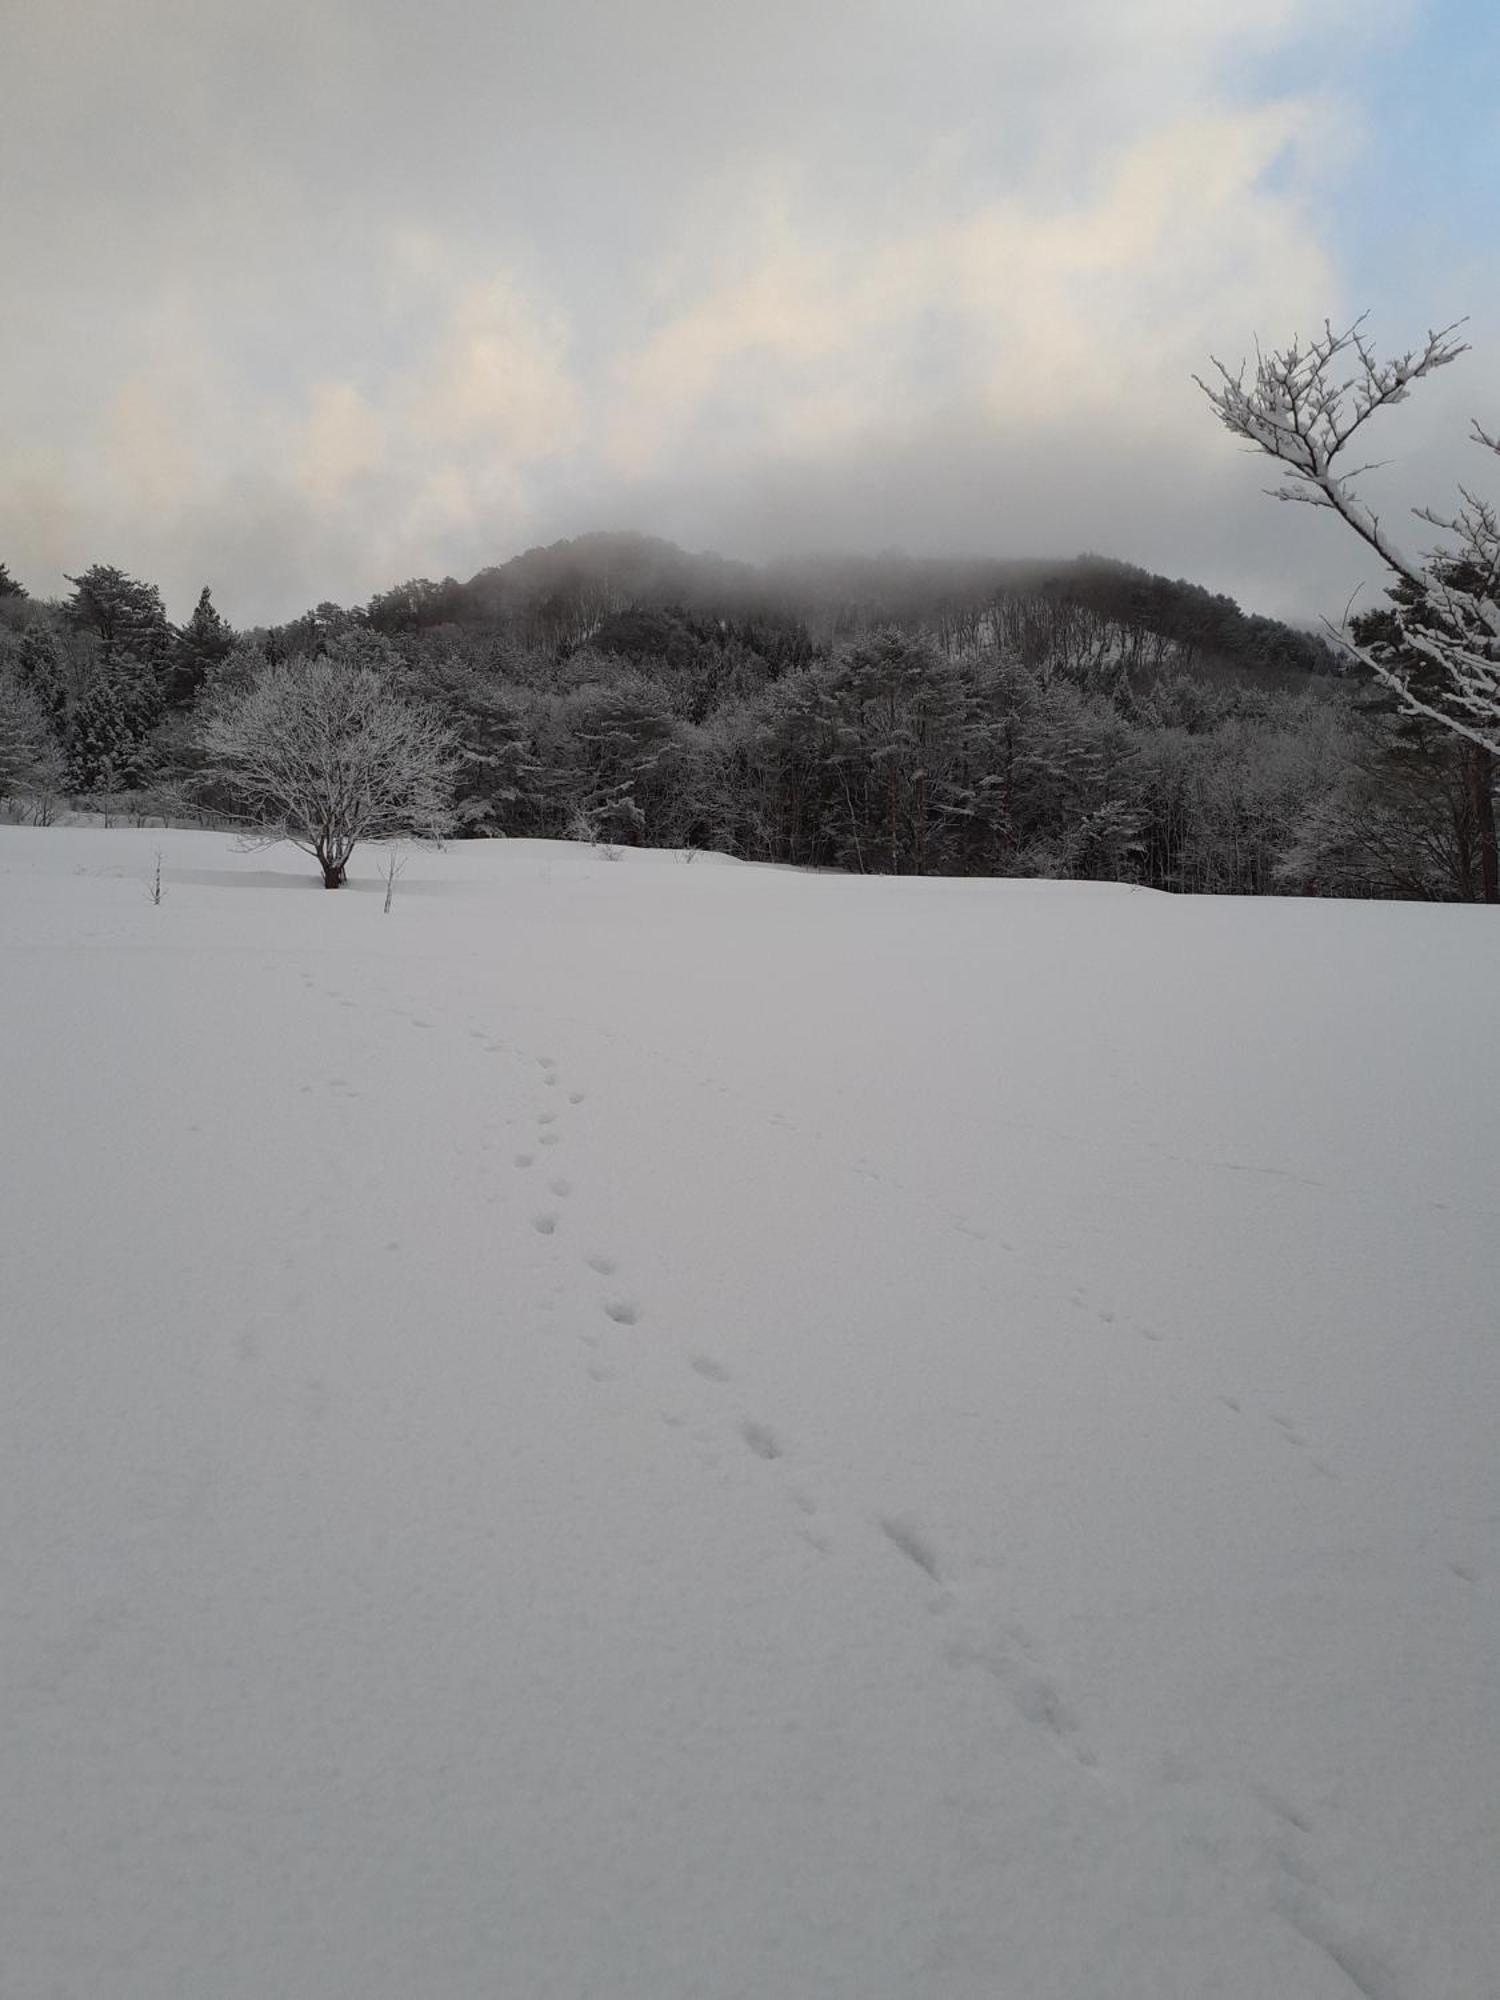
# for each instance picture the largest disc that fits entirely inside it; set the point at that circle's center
(1481, 775)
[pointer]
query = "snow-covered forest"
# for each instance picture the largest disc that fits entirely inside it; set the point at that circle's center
(1080, 720)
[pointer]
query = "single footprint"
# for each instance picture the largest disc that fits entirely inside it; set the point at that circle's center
(761, 1440)
(546, 1118)
(560, 1186)
(544, 1224)
(624, 1312)
(605, 1266)
(575, 1097)
(904, 1534)
(550, 1139)
(711, 1370)
(524, 1159)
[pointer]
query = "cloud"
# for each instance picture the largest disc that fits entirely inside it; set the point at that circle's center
(343, 441)
(1036, 312)
(315, 297)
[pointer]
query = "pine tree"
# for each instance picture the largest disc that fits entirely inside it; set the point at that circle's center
(103, 749)
(202, 645)
(42, 670)
(124, 614)
(8, 585)
(126, 694)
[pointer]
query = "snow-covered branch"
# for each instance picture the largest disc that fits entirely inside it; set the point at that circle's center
(1303, 407)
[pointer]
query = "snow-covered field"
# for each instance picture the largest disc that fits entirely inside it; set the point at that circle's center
(678, 1431)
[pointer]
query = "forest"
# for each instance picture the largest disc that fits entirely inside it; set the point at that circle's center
(882, 715)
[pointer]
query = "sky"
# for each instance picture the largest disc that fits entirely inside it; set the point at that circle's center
(305, 299)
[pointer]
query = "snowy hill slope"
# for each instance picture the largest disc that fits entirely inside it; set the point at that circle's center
(633, 1429)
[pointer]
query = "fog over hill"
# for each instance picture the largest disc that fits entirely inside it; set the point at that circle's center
(564, 590)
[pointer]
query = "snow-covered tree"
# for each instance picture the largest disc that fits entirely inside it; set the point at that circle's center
(324, 754)
(125, 615)
(30, 762)
(1305, 407)
(202, 646)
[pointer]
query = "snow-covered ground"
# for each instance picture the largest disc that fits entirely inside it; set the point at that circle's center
(678, 1431)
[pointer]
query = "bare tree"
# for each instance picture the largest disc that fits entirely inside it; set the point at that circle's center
(323, 754)
(1305, 407)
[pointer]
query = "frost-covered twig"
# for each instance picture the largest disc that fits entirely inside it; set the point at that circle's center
(1304, 407)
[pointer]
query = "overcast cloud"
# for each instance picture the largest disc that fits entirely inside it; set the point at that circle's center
(302, 300)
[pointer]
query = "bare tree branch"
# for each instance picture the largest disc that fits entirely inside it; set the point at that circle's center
(1302, 408)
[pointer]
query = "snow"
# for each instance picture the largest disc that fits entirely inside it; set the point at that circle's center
(644, 1429)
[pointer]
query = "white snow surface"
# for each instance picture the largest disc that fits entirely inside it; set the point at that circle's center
(677, 1431)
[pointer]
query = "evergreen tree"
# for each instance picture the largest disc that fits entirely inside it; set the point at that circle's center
(101, 745)
(125, 615)
(42, 669)
(126, 692)
(8, 585)
(201, 647)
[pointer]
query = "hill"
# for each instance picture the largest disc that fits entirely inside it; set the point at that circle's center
(561, 594)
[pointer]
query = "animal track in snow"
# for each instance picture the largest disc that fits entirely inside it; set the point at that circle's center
(605, 1266)
(550, 1139)
(560, 1187)
(1358, 1956)
(904, 1534)
(624, 1312)
(575, 1097)
(544, 1225)
(761, 1440)
(711, 1370)
(546, 1118)
(1035, 1697)
(524, 1159)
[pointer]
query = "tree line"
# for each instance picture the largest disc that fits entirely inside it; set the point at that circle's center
(1076, 720)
